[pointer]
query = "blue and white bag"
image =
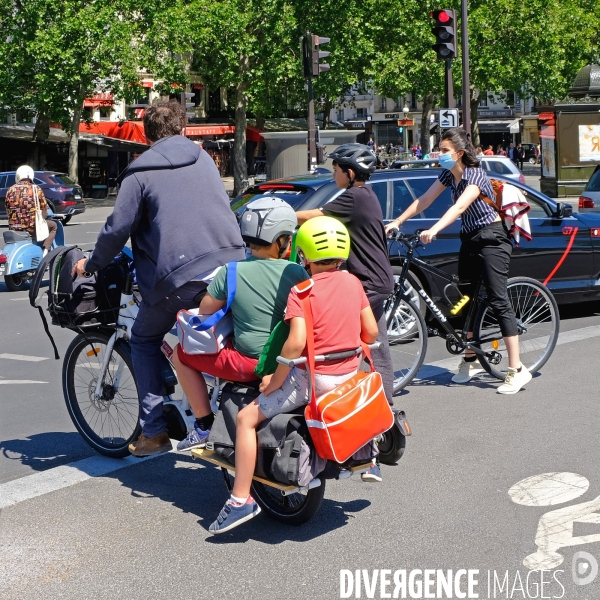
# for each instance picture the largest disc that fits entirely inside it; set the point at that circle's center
(208, 334)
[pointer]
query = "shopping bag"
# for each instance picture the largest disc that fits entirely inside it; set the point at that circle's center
(208, 334)
(343, 420)
(41, 227)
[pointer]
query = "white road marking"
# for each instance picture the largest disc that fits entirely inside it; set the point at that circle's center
(88, 222)
(548, 489)
(23, 357)
(18, 381)
(64, 476)
(556, 527)
(451, 364)
(18, 299)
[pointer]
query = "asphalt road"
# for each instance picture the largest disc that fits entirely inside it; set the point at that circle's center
(94, 530)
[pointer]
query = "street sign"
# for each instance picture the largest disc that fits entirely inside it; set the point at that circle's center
(448, 118)
(406, 122)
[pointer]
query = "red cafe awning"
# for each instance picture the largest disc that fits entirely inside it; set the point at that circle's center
(99, 100)
(252, 134)
(131, 131)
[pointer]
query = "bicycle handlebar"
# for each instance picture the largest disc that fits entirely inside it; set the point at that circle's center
(411, 241)
(302, 360)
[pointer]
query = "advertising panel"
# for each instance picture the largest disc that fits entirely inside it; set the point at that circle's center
(589, 143)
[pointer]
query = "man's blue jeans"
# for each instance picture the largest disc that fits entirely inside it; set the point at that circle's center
(149, 329)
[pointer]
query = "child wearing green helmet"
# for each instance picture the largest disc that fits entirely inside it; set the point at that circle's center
(342, 317)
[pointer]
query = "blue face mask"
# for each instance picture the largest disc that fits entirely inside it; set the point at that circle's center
(446, 161)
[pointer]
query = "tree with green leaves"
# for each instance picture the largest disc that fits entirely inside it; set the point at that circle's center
(248, 46)
(59, 52)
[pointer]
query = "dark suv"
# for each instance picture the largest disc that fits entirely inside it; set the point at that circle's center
(64, 196)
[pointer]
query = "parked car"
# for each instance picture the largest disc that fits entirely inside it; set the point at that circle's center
(531, 153)
(494, 165)
(564, 252)
(589, 201)
(64, 196)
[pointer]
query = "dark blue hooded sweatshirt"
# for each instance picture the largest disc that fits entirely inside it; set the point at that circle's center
(173, 205)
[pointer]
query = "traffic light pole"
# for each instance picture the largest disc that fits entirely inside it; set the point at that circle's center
(312, 128)
(466, 85)
(450, 101)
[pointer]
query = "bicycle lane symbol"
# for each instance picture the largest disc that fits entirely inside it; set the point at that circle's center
(555, 528)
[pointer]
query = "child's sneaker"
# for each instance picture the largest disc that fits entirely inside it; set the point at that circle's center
(515, 380)
(373, 474)
(196, 438)
(466, 370)
(234, 514)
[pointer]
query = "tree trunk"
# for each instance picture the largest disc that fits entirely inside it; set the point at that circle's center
(260, 122)
(240, 167)
(74, 143)
(428, 103)
(326, 112)
(474, 120)
(41, 131)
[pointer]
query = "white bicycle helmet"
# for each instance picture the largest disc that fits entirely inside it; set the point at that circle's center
(267, 219)
(24, 172)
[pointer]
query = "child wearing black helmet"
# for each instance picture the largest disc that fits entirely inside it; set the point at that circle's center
(358, 208)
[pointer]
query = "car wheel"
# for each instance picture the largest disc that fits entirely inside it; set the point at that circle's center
(532, 160)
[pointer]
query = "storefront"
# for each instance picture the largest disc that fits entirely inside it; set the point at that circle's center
(386, 129)
(105, 150)
(217, 140)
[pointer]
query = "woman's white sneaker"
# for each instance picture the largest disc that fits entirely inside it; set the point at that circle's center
(466, 370)
(515, 380)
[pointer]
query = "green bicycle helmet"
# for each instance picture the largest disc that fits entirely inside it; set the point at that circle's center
(323, 238)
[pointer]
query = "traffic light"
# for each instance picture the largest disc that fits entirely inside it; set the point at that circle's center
(445, 33)
(311, 55)
(185, 96)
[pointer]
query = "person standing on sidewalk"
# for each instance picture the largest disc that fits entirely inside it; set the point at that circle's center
(173, 205)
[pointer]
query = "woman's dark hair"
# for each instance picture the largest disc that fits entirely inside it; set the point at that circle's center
(358, 175)
(164, 119)
(459, 140)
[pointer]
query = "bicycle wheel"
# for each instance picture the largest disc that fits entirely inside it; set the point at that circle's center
(537, 319)
(295, 509)
(408, 348)
(109, 423)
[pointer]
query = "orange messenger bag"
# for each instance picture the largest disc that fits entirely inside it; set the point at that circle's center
(343, 420)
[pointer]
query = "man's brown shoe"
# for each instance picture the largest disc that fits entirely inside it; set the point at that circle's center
(145, 446)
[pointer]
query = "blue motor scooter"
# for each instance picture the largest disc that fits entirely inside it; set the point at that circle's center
(22, 254)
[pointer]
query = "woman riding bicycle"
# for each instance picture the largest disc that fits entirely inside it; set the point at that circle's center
(485, 250)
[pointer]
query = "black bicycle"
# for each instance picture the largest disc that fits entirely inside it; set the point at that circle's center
(534, 306)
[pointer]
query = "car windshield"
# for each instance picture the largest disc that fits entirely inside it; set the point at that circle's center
(61, 179)
(294, 197)
(594, 182)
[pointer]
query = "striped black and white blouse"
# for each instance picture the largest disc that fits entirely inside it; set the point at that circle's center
(479, 213)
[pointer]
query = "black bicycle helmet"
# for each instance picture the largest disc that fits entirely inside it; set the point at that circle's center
(358, 157)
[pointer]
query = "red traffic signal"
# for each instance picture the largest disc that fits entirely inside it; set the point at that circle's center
(445, 33)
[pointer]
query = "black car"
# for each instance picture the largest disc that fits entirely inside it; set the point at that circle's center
(564, 252)
(531, 153)
(64, 196)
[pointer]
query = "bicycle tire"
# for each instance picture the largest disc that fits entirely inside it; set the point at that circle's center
(408, 353)
(116, 412)
(295, 509)
(537, 313)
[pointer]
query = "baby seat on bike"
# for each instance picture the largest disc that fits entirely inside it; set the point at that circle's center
(78, 302)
